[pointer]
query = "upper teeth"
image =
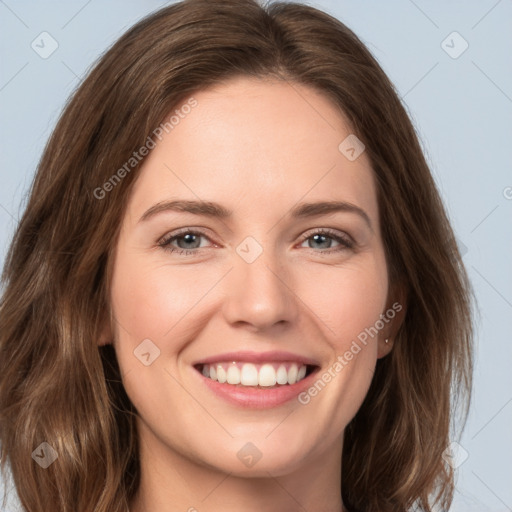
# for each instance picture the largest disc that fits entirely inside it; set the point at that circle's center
(249, 374)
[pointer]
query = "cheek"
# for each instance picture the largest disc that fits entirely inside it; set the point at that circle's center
(348, 299)
(149, 300)
(153, 301)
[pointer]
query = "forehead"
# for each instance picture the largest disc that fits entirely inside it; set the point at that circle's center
(252, 142)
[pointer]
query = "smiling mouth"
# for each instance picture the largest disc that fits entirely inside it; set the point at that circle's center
(252, 375)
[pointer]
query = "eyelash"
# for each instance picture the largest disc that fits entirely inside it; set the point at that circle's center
(344, 241)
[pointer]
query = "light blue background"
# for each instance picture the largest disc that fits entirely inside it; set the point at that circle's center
(462, 109)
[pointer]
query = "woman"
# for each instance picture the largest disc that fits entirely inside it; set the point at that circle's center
(172, 336)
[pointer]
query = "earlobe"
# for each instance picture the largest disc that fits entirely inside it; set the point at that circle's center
(385, 345)
(104, 340)
(395, 315)
(105, 337)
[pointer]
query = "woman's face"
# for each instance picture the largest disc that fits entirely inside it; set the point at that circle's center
(250, 278)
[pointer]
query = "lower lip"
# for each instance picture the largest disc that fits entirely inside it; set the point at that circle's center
(257, 398)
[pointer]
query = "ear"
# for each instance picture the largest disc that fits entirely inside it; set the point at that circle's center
(106, 335)
(392, 318)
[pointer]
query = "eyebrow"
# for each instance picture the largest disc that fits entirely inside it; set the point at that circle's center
(215, 210)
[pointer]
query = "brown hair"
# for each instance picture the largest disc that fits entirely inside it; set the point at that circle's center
(58, 386)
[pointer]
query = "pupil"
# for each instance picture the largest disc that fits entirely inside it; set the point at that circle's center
(325, 242)
(189, 238)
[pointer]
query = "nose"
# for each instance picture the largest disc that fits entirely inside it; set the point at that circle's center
(259, 294)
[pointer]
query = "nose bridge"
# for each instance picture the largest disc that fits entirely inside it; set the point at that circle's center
(258, 291)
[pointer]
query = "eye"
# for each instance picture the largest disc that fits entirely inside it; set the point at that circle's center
(188, 241)
(323, 240)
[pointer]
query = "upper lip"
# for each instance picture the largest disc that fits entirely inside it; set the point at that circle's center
(258, 357)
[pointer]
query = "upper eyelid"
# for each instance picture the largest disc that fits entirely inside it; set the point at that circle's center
(180, 232)
(327, 231)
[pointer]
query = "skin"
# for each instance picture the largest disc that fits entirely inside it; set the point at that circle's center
(257, 147)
